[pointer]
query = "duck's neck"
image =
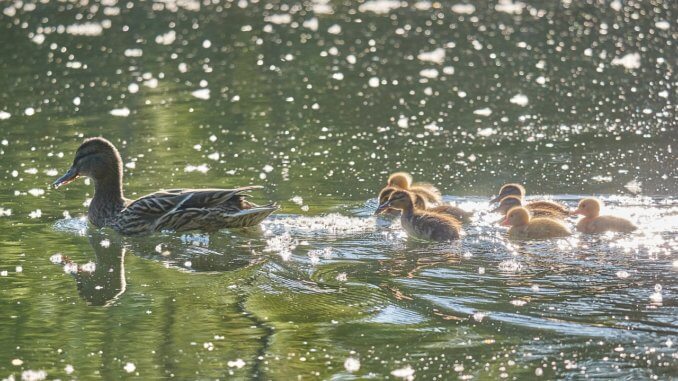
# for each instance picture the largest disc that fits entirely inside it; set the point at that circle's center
(407, 211)
(108, 199)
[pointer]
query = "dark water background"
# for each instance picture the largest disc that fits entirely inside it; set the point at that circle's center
(318, 102)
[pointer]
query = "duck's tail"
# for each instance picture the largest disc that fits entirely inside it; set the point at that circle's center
(250, 216)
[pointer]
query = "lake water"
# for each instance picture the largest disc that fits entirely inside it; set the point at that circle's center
(319, 101)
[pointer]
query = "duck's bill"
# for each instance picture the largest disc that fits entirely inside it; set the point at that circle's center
(382, 208)
(496, 199)
(68, 177)
(575, 212)
(496, 210)
(505, 222)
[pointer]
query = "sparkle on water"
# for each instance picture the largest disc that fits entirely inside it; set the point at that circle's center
(318, 101)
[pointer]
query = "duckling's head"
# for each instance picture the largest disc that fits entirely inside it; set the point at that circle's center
(96, 158)
(510, 190)
(386, 193)
(400, 200)
(507, 203)
(402, 180)
(588, 207)
(517, 217)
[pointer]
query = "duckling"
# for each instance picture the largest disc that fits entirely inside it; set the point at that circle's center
(403, 180)
(509, 202)
(420, 203)
(593, 222)
(173, 209)
(518, 190)
(524, 227)
(421, 223)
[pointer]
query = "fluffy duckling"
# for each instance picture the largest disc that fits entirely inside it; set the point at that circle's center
(519, 191)
(509, 202)
(420, 203)
(524, 227)
(593, 222)
(403, 180)
(421, 223)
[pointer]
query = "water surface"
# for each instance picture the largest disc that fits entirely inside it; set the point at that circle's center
(319, 101)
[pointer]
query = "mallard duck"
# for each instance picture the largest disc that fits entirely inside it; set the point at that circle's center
(420, 203)
(509, 202)
(403, 180)
(419, 223)
(174, 209)
(524, 227)
(519, 191)
(593, 222)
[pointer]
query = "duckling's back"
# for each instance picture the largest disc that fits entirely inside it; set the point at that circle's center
(549, 208)
(429, 192)
(540, 228)
(603, 224)
(432, 226)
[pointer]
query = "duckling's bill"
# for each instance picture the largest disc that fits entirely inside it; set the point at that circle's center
(381, 208)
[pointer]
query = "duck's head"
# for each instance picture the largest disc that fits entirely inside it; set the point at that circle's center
(517, 217)
(510, 190)
(400, 200)
(588, 207)
(96, 158)
(402, 180)
(507, 203)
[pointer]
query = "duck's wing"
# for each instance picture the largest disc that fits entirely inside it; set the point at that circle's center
(174, 209)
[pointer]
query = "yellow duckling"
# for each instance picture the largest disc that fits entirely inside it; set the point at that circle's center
(421, 223)
(403, 180)
(593, 222)
(509, 202)
(519, 191)
(420, 203)
(524, 227)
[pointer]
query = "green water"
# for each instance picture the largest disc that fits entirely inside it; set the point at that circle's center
(318, 102)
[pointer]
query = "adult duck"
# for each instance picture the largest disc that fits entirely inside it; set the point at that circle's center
(518, 190)
(524, 227)
(419, 223)
(174, 209)
(593, 222)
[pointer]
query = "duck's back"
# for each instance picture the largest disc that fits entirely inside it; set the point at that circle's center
(539, 228)
(190, 209)
(603, 224)
(553, 208)
(431, 226)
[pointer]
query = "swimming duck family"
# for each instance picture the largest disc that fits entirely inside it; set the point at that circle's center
(174, 209)
(421, 223)
(593, 222)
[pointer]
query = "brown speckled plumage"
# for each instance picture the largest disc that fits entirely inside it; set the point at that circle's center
(173, 210)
